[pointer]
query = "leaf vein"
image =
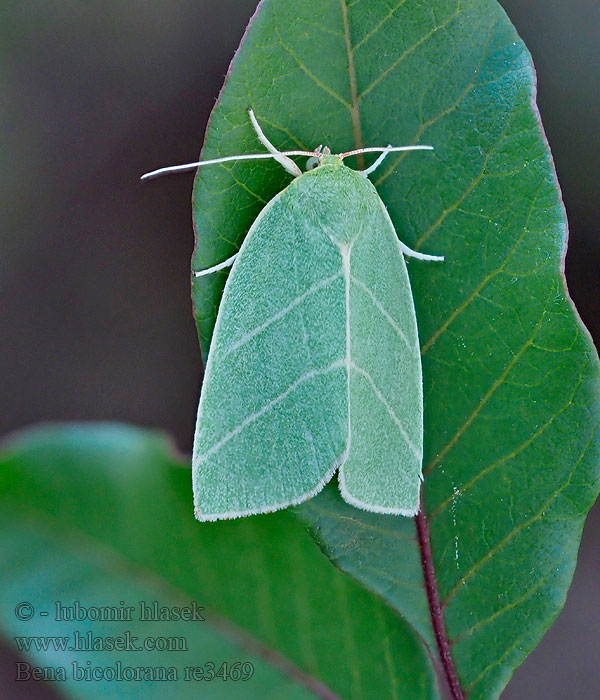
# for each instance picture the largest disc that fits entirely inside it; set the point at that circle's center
(444, 113)
(380, 24)
(356, 127)
(408, 51)
(486, 397)
(317, 81)
(511, 455)
(509, 606)
(519, 528)
(360, 523)
(488, 278)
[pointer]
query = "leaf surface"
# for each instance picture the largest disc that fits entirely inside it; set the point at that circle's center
(510, 375)
(103, 514)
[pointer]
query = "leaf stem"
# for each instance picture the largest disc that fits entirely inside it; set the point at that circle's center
(435, 608)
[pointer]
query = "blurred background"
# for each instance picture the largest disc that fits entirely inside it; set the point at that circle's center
(94, 272)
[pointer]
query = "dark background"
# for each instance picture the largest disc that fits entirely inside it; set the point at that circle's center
(94, 271)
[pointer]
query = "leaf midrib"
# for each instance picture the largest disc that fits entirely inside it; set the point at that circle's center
(356, 125)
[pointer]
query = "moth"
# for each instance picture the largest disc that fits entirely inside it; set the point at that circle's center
(314, 364)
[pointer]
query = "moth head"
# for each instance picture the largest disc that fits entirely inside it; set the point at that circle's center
(322, 156)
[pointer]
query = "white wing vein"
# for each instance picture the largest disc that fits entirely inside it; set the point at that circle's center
(379, 306)
(388, 408)
(280, 314)
(268, 406)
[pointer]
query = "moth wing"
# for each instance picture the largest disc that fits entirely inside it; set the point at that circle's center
(382, 469)
(272, 419)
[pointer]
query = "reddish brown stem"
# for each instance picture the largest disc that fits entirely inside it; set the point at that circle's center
(435, 608)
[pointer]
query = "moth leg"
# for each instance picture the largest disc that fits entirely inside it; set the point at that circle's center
(376, 164)
(286, 162)
(209, 270)
(419, 256)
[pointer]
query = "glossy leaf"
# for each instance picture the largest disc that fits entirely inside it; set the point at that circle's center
(52, 570)
(510, 375)
(103, 513)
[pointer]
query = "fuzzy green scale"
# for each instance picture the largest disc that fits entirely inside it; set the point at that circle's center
(314, 363)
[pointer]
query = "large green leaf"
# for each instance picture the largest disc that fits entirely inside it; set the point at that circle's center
(49, 566)
(103, 514)
(510, 375)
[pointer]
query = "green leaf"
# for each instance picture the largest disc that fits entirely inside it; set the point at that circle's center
(103, 513)
(510, 375)
(62, 567)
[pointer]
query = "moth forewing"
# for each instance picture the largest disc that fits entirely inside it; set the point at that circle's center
(382, 472)
(272, 416)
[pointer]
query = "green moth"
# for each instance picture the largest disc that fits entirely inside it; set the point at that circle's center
(314, 363)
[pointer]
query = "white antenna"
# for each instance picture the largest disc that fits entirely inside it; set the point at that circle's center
(192, 166)
(388, 149)
(282, 156)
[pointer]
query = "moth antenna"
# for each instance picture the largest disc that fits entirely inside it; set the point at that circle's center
(388, 149)
(286, 162)
(377, 163)
(192, 166)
